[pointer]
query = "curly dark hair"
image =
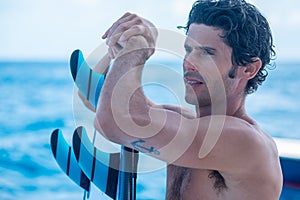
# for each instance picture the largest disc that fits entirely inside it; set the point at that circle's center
(245, 30)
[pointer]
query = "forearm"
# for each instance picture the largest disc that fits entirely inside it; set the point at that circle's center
(123, 108)
(122, 103)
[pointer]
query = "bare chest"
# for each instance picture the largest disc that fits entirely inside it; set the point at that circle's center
(185, 183)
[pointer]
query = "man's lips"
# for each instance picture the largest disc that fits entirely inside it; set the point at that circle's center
(190, 82)
(192, 78)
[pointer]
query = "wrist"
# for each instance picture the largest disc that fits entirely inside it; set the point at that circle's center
(133, 58)
(137, 48)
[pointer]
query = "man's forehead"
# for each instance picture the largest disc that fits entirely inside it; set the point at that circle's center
(190, 43)
(203, 35)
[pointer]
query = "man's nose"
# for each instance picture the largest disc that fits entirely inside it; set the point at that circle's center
(189, 65)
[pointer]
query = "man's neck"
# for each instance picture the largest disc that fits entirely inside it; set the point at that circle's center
(233, 107)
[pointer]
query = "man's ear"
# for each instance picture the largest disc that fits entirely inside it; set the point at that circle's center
(249, 71)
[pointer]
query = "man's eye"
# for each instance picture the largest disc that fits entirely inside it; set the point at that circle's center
(188, 50)
(208, 52)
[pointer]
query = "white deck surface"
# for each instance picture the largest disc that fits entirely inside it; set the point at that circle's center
(288, 147)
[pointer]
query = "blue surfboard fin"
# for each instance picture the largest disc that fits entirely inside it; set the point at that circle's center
(88, 81)
(100, 167)
(66, 160)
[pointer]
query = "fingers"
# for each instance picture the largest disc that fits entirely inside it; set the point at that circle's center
(126, 27)
(133, 31)
(126, 17)
(136, 31)
(113, 34)
(113, 51)
(117, 32)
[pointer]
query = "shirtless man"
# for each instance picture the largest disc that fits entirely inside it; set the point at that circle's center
(229, 156)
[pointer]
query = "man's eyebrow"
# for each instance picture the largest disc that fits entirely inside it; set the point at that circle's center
(206, 48)
(201, 48)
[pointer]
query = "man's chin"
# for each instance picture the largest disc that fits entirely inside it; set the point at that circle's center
(197, 102)
(191, 100)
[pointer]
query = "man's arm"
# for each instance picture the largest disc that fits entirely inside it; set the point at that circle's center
(124, 116)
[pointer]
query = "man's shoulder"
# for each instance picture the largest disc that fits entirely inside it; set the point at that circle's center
(248, 130)
(248, 133)
(231, 132)
(233, 126)
(245, 139)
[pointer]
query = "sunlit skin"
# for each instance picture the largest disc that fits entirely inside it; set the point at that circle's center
(244, 157)
(207, 60)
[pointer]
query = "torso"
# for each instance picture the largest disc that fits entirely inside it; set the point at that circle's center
(262, 183)
(211, 185)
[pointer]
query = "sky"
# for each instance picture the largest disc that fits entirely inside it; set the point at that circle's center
(38, 30)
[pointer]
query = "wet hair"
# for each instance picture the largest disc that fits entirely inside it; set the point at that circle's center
(245, 30)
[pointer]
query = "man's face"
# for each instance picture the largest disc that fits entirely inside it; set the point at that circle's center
(206, 66)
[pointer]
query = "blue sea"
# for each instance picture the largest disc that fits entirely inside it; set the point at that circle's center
(36, 98)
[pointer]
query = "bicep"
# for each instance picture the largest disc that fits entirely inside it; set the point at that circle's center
(204, 143)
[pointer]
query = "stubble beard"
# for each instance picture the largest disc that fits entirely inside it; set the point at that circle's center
(213, 94)
(202, 99)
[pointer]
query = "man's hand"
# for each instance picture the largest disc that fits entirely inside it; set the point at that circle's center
(121, 36)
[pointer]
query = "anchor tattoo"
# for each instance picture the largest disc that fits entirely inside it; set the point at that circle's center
(136, 145)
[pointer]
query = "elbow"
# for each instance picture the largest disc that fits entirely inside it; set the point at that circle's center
(103, 125)
(118, 126)
(104, 130)
(106, 125)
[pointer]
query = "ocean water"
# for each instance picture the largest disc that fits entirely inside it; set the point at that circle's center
(36, 98)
